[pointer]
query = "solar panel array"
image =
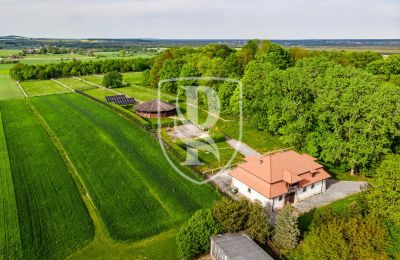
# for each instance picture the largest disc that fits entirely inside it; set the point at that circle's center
(121, 100)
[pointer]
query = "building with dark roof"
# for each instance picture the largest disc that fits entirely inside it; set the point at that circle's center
(236, 246)
(155, 108)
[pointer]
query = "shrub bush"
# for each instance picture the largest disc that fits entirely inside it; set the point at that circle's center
(194, 236)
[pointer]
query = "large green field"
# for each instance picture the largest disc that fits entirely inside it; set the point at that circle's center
(9, 88)
(75, 83)
(7, 52)
(10, 241)
(134, 188)
(42, 87)
(51, 221)
(5, 68)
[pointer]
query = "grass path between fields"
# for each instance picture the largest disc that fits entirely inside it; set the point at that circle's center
(102, 245)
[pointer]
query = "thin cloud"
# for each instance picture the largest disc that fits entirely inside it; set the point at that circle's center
(202, 19)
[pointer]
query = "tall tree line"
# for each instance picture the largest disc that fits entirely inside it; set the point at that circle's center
(78, 68)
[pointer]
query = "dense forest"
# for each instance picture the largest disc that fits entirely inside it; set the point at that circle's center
(78, 68)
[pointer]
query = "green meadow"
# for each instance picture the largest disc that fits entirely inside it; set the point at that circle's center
(42, 87)
(46, 219)
(124, 168)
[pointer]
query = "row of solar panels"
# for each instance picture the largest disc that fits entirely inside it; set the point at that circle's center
(121, 100)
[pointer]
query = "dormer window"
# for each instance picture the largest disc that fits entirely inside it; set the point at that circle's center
(313, 173)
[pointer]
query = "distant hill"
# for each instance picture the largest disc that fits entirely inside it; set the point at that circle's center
(14, 41)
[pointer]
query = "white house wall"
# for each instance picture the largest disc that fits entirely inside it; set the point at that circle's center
(253, 195)
(318, 188)
(300, 194)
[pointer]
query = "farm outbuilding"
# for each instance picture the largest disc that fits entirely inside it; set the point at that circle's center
(155, 108)
(236, 246)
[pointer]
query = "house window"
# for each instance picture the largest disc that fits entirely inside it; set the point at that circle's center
(248, 190)
(304, 189)
(312, 186)
(280, 198)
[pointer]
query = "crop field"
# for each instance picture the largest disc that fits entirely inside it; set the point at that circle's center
(9, 88)
(52, 219)
(10, 241)
(75, 83)
(134, 188)
(42, 87)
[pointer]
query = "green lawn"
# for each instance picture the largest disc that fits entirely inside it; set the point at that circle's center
(53, 222)
(96, 79)
(10, 240)
(135, 78)
(99, 93)
(6, 52)
(135, 190)
(225, 151)
(42, 87)
(138, 93)
(135, 90)
(75, 83)
(9, 88)
(259, 140)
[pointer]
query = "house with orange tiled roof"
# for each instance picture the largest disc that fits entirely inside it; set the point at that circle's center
(279, 178)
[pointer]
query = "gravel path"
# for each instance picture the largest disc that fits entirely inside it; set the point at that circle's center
(336, 190)
(242, 148)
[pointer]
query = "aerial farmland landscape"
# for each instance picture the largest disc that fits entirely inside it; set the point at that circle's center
(200, 130)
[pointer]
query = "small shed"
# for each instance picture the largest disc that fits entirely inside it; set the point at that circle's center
(236, 246)
(155, 108)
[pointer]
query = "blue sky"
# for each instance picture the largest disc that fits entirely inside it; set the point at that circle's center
(279, 19)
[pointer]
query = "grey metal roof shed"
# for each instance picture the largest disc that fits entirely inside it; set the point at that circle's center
(236, 246)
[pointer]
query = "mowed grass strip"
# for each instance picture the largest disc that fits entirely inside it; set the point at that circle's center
(75, 83)
(9, 88)
(42, 87)
(96, 79)
(10, 241)
(135, 189)
(53, 220)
